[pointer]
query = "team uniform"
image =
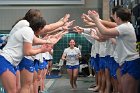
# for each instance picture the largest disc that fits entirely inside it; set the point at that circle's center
(102, 54)
(128, 57)
(72, 62)
(94, 60)
(19, 25)
(27, 63)
(111, 55)
(12, 53)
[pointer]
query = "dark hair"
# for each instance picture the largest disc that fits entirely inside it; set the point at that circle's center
(72, 39)
(37, 23)
(30, 15)
(114, 9)
(111, 19)
(124, 14)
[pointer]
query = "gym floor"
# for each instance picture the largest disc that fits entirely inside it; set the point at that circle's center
(62, 85)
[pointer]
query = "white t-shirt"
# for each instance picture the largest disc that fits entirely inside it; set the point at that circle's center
(13, 50)
(47, 56)
(19, 25)
(126, 43)
(95, 48)
(38, 56)
(102, 49)
(71, 56)
(88, 37)
(95, 44)
(30, 57)
(110, 47)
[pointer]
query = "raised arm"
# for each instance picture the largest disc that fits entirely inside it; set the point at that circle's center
(56, 25)
(28, 50)
(103, 30)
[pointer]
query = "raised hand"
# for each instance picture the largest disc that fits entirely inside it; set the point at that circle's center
(86, 17)
(94, 34)
(46, 48)
(78, 29)
(87, 20)
(93, 14)
(65, 18)
(53, 39)
(67, 25)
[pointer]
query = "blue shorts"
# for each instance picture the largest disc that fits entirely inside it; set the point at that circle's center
(72, 67)
(97, 57)
(27, 64)
(42, 65)
(17, 68)
(132, 68)
(94, 64)
(4, 65)
(92, 61)
(113, 66)
(107, 64)
(46, 63)
(102, 62)
(36, 65)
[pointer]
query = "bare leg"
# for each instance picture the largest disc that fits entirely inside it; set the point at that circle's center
(70, 73)
(99, 81)
(26, 81)
(50, 66)
(18, 85)
(90, 69)
(108, 81)
(35, 83)
(96, 79)
(41, 80)
(8, 80)
(119, 80)
(103, 82)
(129, 84)
(75, 75)
(114, 84)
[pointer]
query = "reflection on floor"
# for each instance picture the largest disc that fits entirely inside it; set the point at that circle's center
(62, 85)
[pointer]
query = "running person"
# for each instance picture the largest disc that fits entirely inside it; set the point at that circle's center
(72, 55)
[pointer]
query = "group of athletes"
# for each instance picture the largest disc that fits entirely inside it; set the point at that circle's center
(113, 55)
(23, 60)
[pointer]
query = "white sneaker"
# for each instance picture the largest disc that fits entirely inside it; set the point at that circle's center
(90, 88)
(41, 91)
(90, 75)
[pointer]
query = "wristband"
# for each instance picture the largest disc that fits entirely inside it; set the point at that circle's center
(48, 41)
(87, 30)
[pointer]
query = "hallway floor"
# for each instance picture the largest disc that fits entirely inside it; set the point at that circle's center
(62, 85)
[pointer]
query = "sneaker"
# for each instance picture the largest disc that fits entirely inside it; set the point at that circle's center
(41, 91)
(90, 88)
(90, 75)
